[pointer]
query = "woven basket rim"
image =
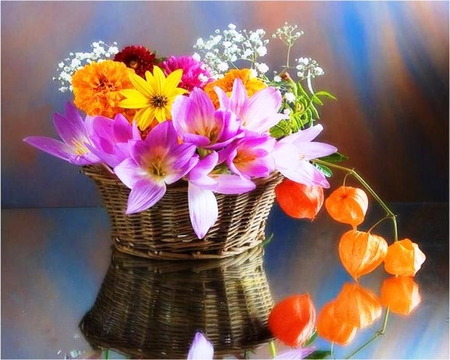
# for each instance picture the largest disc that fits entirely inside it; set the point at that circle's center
(164, 231)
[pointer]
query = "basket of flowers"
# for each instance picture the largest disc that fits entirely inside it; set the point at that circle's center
(186, 151)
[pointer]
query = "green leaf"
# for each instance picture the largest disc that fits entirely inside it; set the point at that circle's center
(315, 112)
(335, 157)
(266, 241)
(325, 170)
(316, 100)
(326, 94)
(312, 338)
(319, 354)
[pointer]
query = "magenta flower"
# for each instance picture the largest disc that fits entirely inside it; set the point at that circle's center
(111, 138)
(75, 134)
(259, 112)
(203, 183)
(155, 162)
(195, 74)
(293, 155)
(198, 122)
(201, 348)
(251, 156)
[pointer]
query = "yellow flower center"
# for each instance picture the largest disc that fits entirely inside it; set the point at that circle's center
(156, 169)
(243, 157)
(80, 148)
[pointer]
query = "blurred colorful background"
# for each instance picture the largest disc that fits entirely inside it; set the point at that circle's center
(386, 62)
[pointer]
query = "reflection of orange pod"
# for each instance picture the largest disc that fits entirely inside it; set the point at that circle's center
(332, 329)
(357, 306)
(361, 252)
(298, 200)
(400, 294)
(404, 258)
(347, 205)
(292, 319)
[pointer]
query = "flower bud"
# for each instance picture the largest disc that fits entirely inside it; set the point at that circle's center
(347, 205)
(361, 252)
(292, 320)
(332, 329)
(400, 294)
(357, 306)
(299, 200)
(404, 258)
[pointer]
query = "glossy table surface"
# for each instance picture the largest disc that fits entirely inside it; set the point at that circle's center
(55, 260)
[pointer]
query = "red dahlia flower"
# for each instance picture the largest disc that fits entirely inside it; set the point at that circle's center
(138, 58)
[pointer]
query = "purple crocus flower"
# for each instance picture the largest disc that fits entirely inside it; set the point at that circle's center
(251, 156)
(201, 348)
(155, 162)
(111, 138)
(203, 183)
(293, 154)
(198, 122)
(75, 134)
(259, 112)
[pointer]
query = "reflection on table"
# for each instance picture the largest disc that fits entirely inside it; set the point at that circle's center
(58, 268)
(152, 309)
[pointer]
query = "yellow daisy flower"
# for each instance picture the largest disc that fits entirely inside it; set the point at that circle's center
(153, 96)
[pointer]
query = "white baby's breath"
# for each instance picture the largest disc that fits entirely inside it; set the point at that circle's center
(66, 68)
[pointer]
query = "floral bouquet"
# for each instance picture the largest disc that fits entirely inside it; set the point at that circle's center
(214, 121)
(199, 133)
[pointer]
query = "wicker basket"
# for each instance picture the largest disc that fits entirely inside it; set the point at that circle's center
(165, 232)
(151, 309)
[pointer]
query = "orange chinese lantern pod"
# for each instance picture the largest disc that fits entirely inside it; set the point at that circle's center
(298, 200)
(332, 329)
(400, 294)
(361, 252)
(347, 205)
(404, 258)
(292, 320)
(357, 306)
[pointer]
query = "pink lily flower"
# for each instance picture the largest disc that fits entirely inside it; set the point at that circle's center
(259, 112)
(293, 154)
(251, 156)
(203, 183)
(111, 138)
(198, 122)
(155, 162)
(75, 134)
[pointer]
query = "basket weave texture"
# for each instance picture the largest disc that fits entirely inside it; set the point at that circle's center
(151, 308)
(165, 231)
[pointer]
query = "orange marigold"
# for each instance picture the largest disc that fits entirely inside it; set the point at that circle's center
(97, 86)
(251, 83)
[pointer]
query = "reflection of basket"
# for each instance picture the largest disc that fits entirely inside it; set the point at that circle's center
(165, 232)
(152, 309)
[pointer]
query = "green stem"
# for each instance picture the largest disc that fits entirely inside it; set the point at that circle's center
(273, 350)
(379, 333)
(352, 172)
(288, 56)
(106, 353)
